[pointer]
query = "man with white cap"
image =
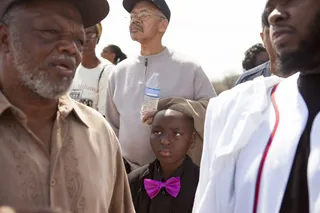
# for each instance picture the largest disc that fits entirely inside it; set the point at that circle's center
(262, 139)
(54, 152)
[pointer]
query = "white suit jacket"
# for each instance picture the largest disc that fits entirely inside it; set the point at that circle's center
(238, 126)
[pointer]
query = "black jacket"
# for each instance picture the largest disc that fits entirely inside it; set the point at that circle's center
(261, 70)
(183, 203)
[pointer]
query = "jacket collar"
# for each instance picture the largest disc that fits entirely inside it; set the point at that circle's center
(162, 55)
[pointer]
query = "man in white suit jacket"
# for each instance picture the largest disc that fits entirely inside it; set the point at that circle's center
(261, 150)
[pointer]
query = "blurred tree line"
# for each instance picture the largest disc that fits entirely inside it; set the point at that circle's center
(226, 83)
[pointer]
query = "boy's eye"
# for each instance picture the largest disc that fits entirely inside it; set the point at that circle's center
(156, 132)
(177, 134)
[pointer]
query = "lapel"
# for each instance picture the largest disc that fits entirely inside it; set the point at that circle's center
(227, 133)
(247, 109)
(189, 181)
(142, 202)
(313, 167)
(293, 116)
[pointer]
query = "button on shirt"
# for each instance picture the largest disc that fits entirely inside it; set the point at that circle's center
(83, 173)
(163, 202)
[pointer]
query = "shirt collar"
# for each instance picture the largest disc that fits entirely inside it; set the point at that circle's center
(66, 107)
(157, 171)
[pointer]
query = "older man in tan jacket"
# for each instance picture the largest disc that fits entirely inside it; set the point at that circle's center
(54, 152)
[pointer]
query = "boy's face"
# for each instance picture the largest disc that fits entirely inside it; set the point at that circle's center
(172, 135)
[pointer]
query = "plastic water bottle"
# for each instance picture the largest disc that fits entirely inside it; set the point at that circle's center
(151, 95)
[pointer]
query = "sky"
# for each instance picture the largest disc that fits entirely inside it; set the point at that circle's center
(216, 33)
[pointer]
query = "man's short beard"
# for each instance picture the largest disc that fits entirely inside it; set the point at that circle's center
(34, 78)
(38, 83)
(307, 57)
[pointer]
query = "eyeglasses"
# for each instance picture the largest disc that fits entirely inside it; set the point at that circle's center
(144, 16)
(91, 35)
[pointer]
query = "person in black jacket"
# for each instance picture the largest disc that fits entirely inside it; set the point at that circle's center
(261, 70)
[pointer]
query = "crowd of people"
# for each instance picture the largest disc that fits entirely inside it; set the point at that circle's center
(72, 138)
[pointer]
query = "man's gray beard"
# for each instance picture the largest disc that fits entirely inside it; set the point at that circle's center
(34, 78)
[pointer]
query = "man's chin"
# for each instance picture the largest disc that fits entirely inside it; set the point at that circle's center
(87, 51)
(285, 50)
(135, 37)
(53, 92)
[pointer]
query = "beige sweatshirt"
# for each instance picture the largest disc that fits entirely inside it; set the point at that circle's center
(179, 76)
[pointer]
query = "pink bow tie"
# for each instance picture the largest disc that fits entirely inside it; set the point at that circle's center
(153, 187)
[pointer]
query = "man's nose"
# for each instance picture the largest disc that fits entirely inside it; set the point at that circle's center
(69, 46)
(277, 16)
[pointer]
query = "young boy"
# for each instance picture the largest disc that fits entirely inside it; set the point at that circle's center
(168, 185)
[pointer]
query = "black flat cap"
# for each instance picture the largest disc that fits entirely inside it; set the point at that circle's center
(160, 4)
(92, 11)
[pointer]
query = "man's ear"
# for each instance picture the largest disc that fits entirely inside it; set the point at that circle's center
(262, 36)
(4, 38)
(163, 25)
